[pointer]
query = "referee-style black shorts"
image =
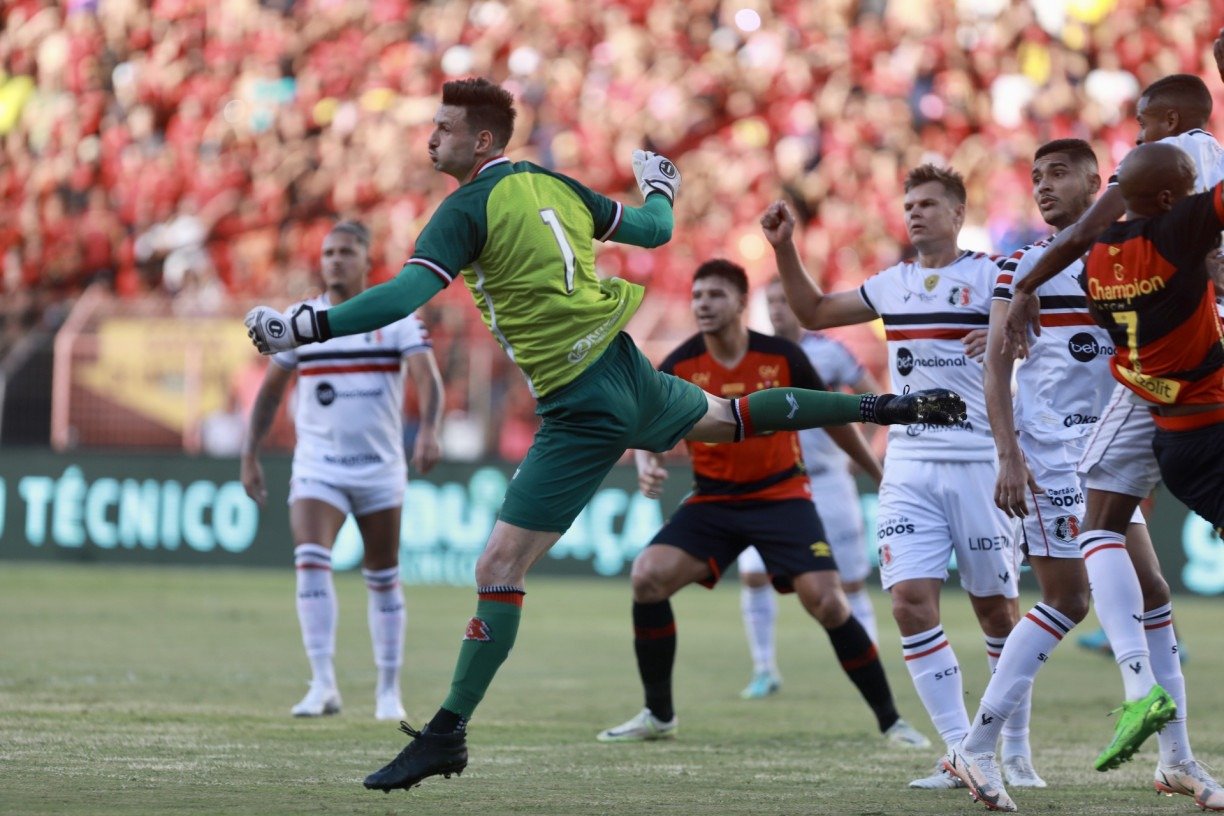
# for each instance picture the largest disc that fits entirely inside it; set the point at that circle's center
(1192, 467)
(787, 533)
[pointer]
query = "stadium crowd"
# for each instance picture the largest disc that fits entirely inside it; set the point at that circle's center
(199, 152)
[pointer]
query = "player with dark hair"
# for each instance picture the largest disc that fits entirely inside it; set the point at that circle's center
(1148, 284)
(349, 461)
(521, 237)
(833, 491)
(935, 499)
(1040, 445)
(755, 493)
(1119, 469)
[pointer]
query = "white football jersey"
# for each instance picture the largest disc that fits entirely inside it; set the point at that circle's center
(1064, 382)
(349, 412)
(927, 312)
(1207, 153)
(837, 367)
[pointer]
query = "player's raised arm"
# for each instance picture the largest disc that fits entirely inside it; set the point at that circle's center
(1068, 245)
(813, 307)
(651, 224)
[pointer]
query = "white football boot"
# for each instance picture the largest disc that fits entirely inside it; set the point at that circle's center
(645, 727)
(319, 701)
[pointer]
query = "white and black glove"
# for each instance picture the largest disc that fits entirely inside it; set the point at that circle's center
(272, 332)
(656, 174)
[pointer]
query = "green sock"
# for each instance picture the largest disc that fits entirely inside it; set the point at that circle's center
(486, 645)
(793, 409)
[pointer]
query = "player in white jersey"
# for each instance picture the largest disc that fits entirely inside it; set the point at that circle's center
(833, 491)
(1119, 469)
(935, 498)
(349, 458)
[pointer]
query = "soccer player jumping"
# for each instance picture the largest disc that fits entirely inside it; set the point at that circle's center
(521, 235)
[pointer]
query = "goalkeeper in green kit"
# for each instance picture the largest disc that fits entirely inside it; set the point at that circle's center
(520, 236)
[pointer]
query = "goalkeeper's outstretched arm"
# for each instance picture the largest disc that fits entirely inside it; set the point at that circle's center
(374, 308)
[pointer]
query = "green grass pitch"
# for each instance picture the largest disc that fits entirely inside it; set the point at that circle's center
(167, 691)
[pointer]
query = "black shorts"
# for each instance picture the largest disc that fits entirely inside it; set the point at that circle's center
(787, 533)
(1192, 467)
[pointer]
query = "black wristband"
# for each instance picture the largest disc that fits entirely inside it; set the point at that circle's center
(323, 325)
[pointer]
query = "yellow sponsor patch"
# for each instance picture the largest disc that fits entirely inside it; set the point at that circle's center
(1157, 389)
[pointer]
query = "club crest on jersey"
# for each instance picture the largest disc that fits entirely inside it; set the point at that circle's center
(885, 555)
(1066, 528)
(930, 282)
(478, 630)
(960, 296)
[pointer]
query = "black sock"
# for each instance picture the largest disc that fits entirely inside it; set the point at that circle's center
(444, 722)
(861, 663)
(654, 642)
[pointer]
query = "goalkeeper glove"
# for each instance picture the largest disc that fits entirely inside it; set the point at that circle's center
(655, 174)
(272, 332)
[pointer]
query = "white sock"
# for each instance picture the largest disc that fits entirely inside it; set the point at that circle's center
(860, 607)
(387, 617)
(316, 608)
(1174, 738)
(1016, 725)
(936, 674)
(1027, 649)
(760, 610)
(1119, 607)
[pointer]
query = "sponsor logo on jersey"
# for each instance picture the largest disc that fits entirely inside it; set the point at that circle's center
(353, 459)
(1071, 420)
(1157, 389)
(960, 296)
(701, 379)
(919, 428)
(1124, 292)
(821, 550)
(894, 526)
(930, 282)
(769, 372)
(326, 393)
(1066, 528)
(1086, 348)
(478, 630)
(907, 362)
(582, 347)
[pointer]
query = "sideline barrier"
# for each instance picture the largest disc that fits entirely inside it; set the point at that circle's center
(175, 509)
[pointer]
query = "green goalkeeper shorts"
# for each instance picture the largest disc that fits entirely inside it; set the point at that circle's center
(620, 402)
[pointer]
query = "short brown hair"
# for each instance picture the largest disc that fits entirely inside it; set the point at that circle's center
(732, 273)
(488, 106)
(949, 179)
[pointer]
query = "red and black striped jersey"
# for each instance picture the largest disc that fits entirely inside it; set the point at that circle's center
(761, 467)
(1148, 286)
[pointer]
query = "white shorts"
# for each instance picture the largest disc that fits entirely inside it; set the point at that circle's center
(1061, 507)
(1119, 455)
(929, 510)
(841, 514)
(360, 501)
(1057, 513)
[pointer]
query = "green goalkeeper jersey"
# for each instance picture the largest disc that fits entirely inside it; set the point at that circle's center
(521, 236)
